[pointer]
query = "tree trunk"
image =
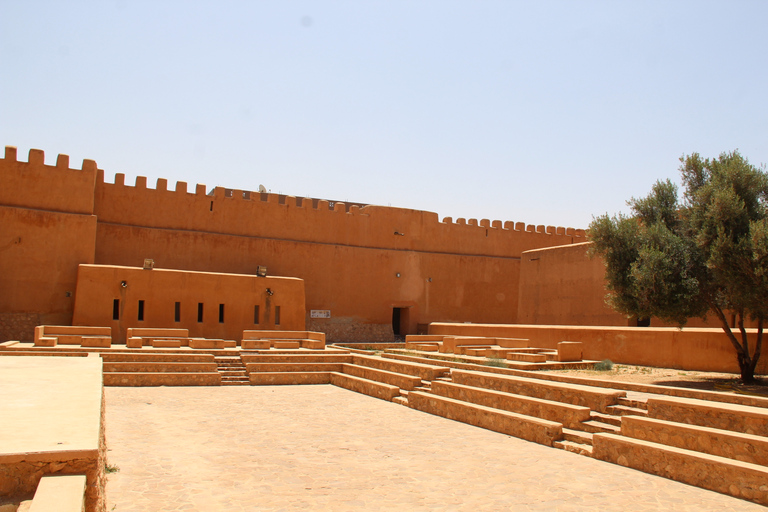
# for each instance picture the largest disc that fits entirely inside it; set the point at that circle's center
(747, 364)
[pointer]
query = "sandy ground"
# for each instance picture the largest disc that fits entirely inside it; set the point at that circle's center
(711, 381)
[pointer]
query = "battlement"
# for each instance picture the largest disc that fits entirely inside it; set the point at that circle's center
(260, 214)
(33, 184)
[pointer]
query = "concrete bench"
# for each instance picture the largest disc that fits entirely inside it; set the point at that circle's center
(597, 399)
(737, 418)
(425, 371)
(407, 382)
(451, 343)
(69, 334)
(570, 416)
(723, 443)
(517, 425)
(96, 341)
(255, 344)
(166, 343)
(719, 474)
(306, 339)
(152, 332)
(61, 493)
(206, 343)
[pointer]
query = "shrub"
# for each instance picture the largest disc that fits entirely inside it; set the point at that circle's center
(604, 366)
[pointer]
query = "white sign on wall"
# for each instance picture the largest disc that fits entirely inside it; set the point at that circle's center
(320, 313)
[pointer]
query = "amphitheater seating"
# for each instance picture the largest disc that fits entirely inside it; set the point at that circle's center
(253, 339)
(86, 336)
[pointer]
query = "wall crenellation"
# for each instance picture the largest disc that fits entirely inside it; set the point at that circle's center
(252, 198)
(36, 159)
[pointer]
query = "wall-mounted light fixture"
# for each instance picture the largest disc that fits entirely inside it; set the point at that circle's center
(429, 279)
(124, 284)
(399, 233)
(149, 263)
(270, 292)
(261, 271)
(397, 275)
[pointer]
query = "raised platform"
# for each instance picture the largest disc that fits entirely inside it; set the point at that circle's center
(52, 424)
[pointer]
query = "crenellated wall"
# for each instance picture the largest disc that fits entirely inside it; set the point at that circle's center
(358, 261)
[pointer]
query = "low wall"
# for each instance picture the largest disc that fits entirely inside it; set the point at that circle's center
(701, 349)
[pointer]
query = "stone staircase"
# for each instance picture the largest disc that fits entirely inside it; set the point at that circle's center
(232, 370)
(580, 440)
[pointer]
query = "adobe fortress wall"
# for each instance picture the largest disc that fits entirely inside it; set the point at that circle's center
(358, 261)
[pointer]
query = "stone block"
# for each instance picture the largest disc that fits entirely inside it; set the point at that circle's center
(60, 493)
(206, 343)
(737, 418)
(134, 342)
(255, 344)
(46, 342)
(570, 351)
(166, 343)
(69, 339)
(283, 344)
(96, 342)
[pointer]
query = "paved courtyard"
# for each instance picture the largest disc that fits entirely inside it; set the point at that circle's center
(326, 448)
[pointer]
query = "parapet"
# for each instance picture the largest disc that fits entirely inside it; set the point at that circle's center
(58, 187)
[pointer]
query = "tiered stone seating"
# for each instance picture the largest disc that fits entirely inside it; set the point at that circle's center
(85, 336)
(594, 398)
(510, 423)
(150, 369)
(282, 340)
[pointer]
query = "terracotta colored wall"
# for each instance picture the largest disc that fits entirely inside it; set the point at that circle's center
(702, 349)
(98, 286)
(348, 255)
(562, 286)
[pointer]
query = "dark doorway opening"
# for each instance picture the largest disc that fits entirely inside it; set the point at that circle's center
(396, 321)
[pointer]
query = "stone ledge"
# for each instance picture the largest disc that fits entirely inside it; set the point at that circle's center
(569, 415)
(367, 387)
(726, 476)
(517, 425)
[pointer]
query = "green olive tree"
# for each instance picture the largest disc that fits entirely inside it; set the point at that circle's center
(703, 254)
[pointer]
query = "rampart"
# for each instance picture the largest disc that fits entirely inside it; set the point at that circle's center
(373, 271)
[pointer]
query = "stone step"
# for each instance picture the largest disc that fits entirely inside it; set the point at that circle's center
(570, 446)
(624, 410)
(423, 388)
(577, 436)
(233, 374)
(638, 404)
(596, 427)
(402, 400)
(606, 418)
(235, 383)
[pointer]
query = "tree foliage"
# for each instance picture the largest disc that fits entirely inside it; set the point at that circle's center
(705, 253)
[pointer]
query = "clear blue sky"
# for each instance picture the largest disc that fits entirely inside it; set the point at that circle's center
(541, 112)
